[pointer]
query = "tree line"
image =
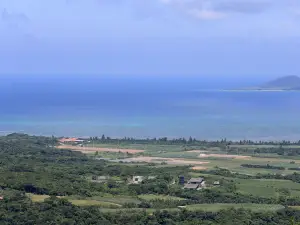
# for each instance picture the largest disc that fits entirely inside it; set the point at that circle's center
(268, 166)
(186, 141)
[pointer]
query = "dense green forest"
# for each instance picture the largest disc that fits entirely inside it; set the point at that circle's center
(32, 165)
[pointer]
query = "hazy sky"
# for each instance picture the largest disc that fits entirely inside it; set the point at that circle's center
(150, 37)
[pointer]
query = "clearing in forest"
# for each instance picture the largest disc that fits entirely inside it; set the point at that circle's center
(199, 168)
(78, 202)
(95, 149)
(177, 161)
(203, 155)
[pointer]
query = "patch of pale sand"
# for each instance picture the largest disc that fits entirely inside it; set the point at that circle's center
(95, 149)
(224, 156)
(167, 160)
(199, 168)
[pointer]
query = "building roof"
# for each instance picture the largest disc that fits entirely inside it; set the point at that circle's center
(191, 186)
(70, 140)
(140, 177)
(196, 180)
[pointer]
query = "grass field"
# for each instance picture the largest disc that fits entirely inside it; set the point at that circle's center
(109, 206)
(267, 188)
(108, 155)
(178, 151)
(256, 187)
(210, 208)
(78, 202)
(147, 148)
(234, 165)
(264, 146)
(160, 197)
(295, 207)
(38, 198)
(117, 199)
(218, 207)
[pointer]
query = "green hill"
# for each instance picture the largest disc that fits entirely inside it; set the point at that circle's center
(285, 83)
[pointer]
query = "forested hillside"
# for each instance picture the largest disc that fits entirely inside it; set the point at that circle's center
(42, 185)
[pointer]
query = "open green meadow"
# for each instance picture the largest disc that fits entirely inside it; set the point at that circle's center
(160, 197)
(232, 164)
(192, 156)
(218, 206)
(268, 187)
(263, 146)
(209, 208)
(105, 202)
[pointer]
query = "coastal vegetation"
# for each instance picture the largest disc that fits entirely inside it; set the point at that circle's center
(42, 184)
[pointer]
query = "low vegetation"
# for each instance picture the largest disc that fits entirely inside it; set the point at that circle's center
(39, 183)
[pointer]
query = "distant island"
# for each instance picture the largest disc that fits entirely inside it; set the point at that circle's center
(287, 83)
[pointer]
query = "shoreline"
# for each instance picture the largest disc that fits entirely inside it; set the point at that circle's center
(270, 138)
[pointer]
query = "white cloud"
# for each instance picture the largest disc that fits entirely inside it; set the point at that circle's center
(149, 18)
(206, 14)
(201, 9)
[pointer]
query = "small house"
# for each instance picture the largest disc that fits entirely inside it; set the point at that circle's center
(194, 183)
(137, 179)
(191, 186)
(140, 179)
(1, 198)
(216, 183)
(71, 140)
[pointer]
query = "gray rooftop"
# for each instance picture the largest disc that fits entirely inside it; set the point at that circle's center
(195, 180)
(191, 186)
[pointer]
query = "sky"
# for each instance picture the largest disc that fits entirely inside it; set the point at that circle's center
(150, 37)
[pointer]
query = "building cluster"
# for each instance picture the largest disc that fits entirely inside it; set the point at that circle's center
(191, 184)
(71, 140)
(195, 183)
(131, 180)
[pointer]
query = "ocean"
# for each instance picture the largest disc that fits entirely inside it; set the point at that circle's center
(136, 107)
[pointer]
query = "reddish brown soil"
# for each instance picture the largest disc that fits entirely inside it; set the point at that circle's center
(199, 168)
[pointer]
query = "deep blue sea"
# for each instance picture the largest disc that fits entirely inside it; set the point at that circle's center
(132, 107)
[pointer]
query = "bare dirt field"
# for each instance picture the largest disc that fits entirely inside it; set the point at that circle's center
(199, 168)
(94, 149)
(224, 156)
(176, 161)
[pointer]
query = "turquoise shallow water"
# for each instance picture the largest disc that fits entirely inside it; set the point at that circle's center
(124, 109)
